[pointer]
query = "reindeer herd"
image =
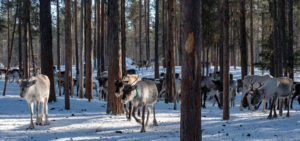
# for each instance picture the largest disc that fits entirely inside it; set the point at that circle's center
(143, 93)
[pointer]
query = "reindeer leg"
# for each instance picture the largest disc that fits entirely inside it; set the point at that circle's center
(280, 106)
(126, 109)
(275, 115)
(154, 118)
(143, 120)
(130, 111)
(288, 107)
(31, 126)
(139, 112)
(42, 113)
(204, 99)
(294, 96)
(133, 114)
(37, 113)
(46, 111)
(271, 107)
(148, 113)
(218, 101)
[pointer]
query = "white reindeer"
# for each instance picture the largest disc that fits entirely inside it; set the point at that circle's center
(36, 91)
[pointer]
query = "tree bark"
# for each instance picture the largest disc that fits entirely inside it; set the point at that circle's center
(46, 45)
(98, 27)
(164, 33)
(146, 17)
(190, 120)
(20, 36)
(140, 29)
(170, 85)
(221, 40)
(114, 104)
(243, 45)
(89, 53)
(180, 35)
(156, 38)
(81, 48)
(251, 38)
(27, 6)
(76, 39)
(32, 51)
(282, 45)
(102, 35)
(68, 53)
(123, 37)
(291, 40)
(226, 62)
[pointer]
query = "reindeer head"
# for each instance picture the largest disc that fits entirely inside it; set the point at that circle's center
(129, 93)
(24, 86)
(119, 84)
(257, 94)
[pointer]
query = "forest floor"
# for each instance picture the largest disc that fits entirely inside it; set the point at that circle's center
(89, 121)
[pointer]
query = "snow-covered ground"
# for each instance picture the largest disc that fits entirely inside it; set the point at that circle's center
(89, 121)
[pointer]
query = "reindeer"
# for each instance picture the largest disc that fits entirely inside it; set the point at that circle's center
(272, 89)
(36, 91)
(142, 94)
(130, 79)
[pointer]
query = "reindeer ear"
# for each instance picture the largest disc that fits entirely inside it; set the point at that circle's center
(30, 83)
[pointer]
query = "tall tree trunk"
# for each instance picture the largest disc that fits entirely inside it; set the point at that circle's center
(180, 52)
(98, 27)
(123, 37)
(58, 42)
(26, 6)
(226, 62)
(81, 48)
(68, 53)
(251, 38)
(114, 104)
(221, 40)
(46, 45)
(102, 35)
(140, 29)
(32, 51)
(89, 53)
(156, 38)
(190, 120)
(282, 41)
(146, 16)
(164, 33)
(76, 39)
(10, 46)
(171, 86)
(20, 36)
(291, 40)
(243, 45)
(94, 48)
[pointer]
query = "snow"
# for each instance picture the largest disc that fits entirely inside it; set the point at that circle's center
(89, 121)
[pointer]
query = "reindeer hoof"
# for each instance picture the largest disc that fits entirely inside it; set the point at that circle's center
(275, 116)
(203, 106)
(155, 123)
(47, 123)
(139, 121)
(287, 115)
(269, 117)
(143, 130)
(31, 126)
